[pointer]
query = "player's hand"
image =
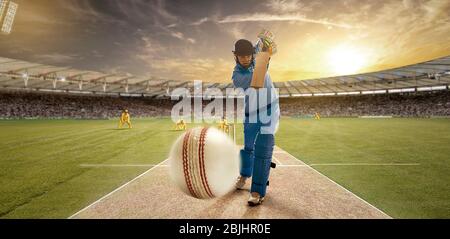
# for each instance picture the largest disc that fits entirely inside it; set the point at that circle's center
(269, 49)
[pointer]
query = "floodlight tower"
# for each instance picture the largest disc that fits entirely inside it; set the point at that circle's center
(8, 11)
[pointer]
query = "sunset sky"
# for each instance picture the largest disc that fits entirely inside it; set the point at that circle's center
(193, 40)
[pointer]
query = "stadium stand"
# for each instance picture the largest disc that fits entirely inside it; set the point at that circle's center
(17, 74)
(30, 90)
(18, 104)
(420, 104)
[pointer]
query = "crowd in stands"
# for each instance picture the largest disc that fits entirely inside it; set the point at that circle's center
(69, 106)
(18, 104)
(420, 104)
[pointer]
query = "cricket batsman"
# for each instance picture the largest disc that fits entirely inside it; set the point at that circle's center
(259, 136)
(125, 119)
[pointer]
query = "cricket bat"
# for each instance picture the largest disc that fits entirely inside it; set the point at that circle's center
(260, 70)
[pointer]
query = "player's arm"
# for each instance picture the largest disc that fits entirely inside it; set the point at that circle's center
(261, 67)
(265, 48)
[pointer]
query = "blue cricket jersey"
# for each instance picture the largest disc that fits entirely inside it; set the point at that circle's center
(242, 78)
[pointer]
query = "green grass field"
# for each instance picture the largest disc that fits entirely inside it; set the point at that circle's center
(41, 176)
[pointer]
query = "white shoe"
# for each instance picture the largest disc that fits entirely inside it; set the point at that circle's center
(255, 199)
(240, 183)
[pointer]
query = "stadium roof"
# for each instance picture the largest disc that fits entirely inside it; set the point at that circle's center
(17, 74)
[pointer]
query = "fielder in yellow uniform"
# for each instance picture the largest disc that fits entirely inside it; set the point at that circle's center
(317, 116)
(125, 119)
(180, 125)
(224, 126)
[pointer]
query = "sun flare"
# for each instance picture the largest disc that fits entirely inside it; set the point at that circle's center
(345, 60)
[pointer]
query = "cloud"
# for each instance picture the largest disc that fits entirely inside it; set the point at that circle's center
(118, 70)
(205, 69)
(97, 54)
(159, 7)
(150, 49)
(265, 17)
(402, 32)
(58, 58)
(138, 10)
(126, 13)
(36, 17)
(191, 40)
(284, 6)
(20, 50)
(236, 31)
(199, 22)
(180, 35)
(395, 33)
(84, 10)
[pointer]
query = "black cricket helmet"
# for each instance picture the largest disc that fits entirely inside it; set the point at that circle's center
(243, 48)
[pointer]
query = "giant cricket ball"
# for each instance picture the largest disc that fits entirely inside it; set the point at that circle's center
(204, 163)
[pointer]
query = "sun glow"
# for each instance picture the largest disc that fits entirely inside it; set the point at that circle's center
(345, 60)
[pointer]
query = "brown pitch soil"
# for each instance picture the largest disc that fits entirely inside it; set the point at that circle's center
(296, 191)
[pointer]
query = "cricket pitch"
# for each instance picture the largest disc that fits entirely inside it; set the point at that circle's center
(296, 191)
